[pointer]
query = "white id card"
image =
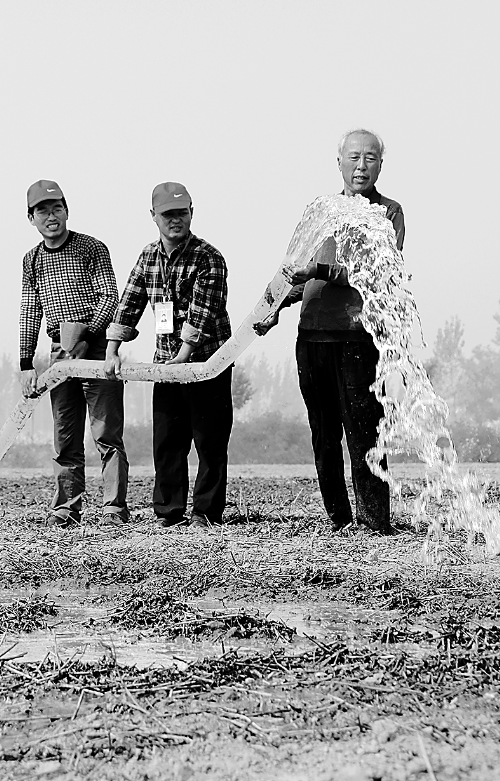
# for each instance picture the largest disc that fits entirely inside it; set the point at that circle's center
(164, 317)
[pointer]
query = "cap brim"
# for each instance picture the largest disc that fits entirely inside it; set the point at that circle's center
(51, 197)
(182, 203)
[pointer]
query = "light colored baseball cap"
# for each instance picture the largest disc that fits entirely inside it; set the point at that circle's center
(44, 190)
(170, 195)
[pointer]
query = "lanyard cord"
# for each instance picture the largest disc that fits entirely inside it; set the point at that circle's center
(167, 277)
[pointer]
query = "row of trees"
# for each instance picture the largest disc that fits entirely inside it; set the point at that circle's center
(471, 387)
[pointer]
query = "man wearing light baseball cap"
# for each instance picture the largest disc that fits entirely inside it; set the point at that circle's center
(184, 279)
(68, 277)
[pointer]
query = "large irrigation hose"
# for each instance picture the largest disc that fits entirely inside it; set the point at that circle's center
(307, 238)
(150, 372)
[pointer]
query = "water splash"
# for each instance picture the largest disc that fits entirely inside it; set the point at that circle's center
(415, 417)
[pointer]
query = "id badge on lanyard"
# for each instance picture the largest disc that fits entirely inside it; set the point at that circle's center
(164, 317)
(164, 310)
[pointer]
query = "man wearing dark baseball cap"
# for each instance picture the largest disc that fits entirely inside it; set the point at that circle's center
(170, 195)
(184, 279)
(44, 190)
(68, 277)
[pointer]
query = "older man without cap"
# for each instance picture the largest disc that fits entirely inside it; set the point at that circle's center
(185, 280)
(336, 356)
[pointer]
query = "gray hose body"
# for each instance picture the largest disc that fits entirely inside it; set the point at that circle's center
(150, 372)
(322, 219)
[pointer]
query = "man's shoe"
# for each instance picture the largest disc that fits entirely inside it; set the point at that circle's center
(386, 530)
(169, 522)
(114, 519)
(336, 524)
(60, 522)
(201, 520)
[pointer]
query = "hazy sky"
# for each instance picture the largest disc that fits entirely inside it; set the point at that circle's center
(244, 101)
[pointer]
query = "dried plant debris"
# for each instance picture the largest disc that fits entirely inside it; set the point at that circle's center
(401, 651)
(326, 691)
(27, 615)
(155, 610)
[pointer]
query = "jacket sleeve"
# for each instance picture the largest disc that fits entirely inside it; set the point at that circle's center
(396, 216)
(30, 318)
(208, 298)
(293, 296)
(328, 269)
(104, 286)
(130, 307)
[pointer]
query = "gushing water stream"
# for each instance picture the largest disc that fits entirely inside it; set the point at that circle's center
(415, 417)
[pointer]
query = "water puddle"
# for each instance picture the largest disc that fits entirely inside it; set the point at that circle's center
(81, 628)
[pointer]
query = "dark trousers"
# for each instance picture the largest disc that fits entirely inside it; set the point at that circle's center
(104, 401)
(334, 379)
(182, 413)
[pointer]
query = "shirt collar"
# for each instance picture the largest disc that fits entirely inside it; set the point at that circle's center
(373, 196)
(177, 250)
(62, 246)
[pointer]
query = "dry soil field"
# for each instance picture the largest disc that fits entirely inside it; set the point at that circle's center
(268, 648)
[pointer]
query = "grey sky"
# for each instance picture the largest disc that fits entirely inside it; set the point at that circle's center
(244, 101)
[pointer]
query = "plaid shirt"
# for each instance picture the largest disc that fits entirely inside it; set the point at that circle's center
(196, 277)
(74, 282)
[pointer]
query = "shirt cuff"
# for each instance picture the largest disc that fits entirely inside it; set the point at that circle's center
(191, 335)
(323, 271)
(121, 333)
(26, 364)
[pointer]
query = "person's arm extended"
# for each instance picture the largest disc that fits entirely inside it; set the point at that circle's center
(113, 362)
(122, 328)
(323, 266)
(30, 320)
(397, 218)
(184, 354)
(104, 286)
(208, 298)
(293, 297)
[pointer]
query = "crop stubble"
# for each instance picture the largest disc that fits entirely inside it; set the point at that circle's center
(410, 691)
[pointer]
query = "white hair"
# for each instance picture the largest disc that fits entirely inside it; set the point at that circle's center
(366, 132)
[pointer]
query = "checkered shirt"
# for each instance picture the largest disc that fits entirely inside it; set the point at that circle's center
(73, 282)
(196, 277)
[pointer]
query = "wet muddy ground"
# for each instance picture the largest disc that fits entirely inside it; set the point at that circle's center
(268, 648)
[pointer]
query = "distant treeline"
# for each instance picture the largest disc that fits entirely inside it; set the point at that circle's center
(471, 387)
(267, 439)
(270, 420)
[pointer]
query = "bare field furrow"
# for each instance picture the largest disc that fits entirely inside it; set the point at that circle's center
(266, 648)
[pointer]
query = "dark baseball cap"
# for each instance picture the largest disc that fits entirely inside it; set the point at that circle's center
(44, 190)
(170, 195)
